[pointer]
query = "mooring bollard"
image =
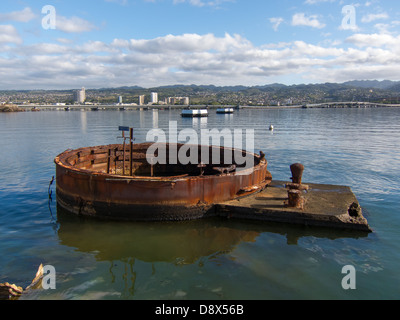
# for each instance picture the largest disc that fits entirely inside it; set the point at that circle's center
(297, 172)
(295, 199)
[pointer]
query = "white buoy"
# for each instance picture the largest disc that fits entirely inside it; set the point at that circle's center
(271, 127)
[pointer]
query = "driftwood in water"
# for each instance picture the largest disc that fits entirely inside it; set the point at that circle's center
(9, 291)
(12, 291)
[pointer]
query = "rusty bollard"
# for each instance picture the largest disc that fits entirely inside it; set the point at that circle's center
(297, 172)
(295, 198)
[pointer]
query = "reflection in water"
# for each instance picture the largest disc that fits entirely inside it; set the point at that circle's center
(155, 118)
(83, 122)
(199, 122)
(136, 250)
(144, 252)
(174, 242)
(142, 119)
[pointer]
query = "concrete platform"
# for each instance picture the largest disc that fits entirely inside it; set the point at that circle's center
(324, 206)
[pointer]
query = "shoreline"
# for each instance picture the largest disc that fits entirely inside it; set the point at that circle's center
(122, 107)
(10, 108)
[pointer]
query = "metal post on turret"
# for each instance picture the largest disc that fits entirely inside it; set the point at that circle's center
(131, 151)
(123, 129)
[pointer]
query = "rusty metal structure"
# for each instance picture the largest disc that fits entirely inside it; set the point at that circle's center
(119, 182)
(296, 188)
(297, 172)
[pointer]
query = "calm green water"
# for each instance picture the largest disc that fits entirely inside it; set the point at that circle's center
(210, 259)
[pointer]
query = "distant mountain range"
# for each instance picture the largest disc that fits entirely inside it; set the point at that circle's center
(385, 84)
(379, 91)
(365, 84)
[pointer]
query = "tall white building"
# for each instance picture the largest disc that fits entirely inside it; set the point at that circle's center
(186, 100)
(141, 100)
(80, 95)
(154, 97)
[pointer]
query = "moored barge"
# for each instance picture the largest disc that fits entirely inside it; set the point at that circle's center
(225, 110)
(194, 113)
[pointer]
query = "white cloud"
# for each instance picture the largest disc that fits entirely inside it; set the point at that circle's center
(372, 17)
(65, 41)
(373, 40)
(276, 22)
(193, 58)
(188, 43)
(73, 24)
(24, 15)
(300, 19)
(9, 34)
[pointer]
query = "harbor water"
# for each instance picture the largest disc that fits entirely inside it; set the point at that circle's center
(213, 258)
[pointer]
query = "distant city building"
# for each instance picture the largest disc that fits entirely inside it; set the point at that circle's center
(80, 95)
(178, 100)
(141, 100)
(120, 99)
(154, 97)
(289, 101)
(171, 100)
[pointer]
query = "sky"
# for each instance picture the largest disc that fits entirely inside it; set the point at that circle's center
(70, 44)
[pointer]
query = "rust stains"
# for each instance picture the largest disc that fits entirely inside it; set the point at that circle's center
(118, 182)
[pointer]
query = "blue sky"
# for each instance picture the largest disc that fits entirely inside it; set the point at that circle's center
(111, 43)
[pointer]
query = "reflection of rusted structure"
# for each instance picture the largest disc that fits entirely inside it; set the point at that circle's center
(111, 182)
(184, 243)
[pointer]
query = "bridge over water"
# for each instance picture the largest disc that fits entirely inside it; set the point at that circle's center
(350, 104)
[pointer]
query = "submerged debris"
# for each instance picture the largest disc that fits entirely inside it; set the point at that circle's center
(9, 291)
(12, 292)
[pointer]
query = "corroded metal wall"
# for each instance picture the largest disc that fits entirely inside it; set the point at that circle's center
(85, 187)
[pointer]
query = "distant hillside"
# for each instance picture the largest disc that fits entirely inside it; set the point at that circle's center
(395, 88)
(373, 84)
(271, 94)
